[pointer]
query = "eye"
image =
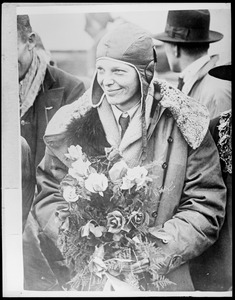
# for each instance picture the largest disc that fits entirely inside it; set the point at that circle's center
(100, 70)
(119, 71)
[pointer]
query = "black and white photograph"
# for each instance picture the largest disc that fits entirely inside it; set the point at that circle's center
(116, 150)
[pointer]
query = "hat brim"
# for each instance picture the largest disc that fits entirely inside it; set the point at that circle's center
(222, 72)
(214, 36)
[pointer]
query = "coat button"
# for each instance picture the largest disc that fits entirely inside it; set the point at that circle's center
(170, 139)
(23, 122)
(165, 241)
(154, 214)
(164, 165)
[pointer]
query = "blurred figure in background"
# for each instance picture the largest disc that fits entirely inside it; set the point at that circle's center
(97, 24)
(43, 89)
(186, 39)
(212, 271)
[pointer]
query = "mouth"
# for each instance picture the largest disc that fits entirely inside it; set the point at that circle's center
(112, 92)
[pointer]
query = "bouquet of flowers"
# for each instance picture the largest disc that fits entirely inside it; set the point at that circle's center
(104, 234)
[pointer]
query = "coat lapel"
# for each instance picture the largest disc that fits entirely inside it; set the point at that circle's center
(109, 123)
(134, 130)
(49, 102)
(50, 98)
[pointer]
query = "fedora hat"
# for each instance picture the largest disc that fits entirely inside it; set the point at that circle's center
(188, 26)
(222, 72)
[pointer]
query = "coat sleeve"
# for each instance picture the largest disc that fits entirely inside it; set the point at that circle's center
(200, 215)
(50, 172)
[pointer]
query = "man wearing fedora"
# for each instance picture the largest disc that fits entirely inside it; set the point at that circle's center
(187, 38)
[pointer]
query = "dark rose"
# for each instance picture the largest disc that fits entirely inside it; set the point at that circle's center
(115, 222)
(137, 218)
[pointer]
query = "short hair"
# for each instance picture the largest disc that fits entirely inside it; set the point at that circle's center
(23, 27)
(194, 48)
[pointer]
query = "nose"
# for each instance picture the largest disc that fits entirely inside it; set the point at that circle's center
(107, 81)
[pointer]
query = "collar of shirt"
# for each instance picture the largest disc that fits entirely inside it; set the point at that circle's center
(191, 71)
(194, 67)
(131, 112)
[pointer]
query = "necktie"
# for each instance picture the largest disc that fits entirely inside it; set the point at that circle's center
(180, 83)
(124, 122)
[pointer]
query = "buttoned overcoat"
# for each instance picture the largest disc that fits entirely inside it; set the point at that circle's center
(188, 213)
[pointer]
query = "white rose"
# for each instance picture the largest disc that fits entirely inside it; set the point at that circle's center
(127, 183)
(69, 194)
(96, 183)
(74, 152)
(118, 170)
(135, 176)
(79, 169)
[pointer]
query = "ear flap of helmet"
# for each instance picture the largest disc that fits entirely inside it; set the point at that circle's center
(96, 92)
(151, 69)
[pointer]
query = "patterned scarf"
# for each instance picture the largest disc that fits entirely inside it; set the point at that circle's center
(30, 86)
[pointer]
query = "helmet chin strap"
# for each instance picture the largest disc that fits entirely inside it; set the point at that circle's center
(157, 88)
(158, 97)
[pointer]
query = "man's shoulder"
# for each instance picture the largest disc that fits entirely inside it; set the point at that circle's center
(215, 84)
(208, 88)
(60, 75)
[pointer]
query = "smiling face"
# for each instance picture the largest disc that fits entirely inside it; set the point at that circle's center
(120, 83)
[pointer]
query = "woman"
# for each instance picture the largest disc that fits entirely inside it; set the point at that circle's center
(165, 125)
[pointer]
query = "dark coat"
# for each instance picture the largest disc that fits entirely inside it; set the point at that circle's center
(28, 180)
(212, 271)
(189, 217)
(59, 88)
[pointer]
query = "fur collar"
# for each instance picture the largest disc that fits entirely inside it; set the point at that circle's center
(87, 131)
(81, 120)
(192, 118)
